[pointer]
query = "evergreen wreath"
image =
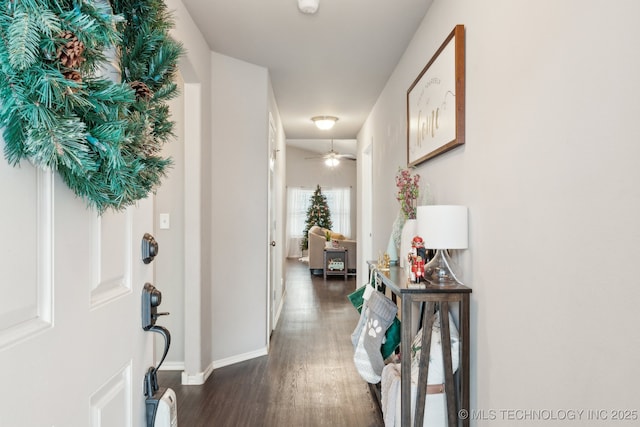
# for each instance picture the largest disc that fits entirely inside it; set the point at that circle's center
(60, 112)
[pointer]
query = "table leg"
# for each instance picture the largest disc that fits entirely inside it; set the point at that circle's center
(464, 352)
(405, 366)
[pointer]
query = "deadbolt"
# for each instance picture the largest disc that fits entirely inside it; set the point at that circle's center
(149, 248)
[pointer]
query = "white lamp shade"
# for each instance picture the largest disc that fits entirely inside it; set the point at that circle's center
(443, 226)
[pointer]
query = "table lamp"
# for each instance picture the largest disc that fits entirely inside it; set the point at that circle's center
(442, 227)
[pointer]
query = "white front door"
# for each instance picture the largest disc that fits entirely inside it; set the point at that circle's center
(72, 349)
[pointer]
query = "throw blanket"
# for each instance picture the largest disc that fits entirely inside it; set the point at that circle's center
(435, 404)
(390, 391)
(435, 414)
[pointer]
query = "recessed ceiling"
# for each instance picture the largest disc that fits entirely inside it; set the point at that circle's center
(335, 62)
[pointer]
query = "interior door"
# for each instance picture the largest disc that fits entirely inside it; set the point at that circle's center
(72, 349)
(272, 228)
(366, 227)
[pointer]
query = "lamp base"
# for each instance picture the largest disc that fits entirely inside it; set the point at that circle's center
(441, 270)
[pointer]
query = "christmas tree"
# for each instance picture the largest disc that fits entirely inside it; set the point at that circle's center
(317, 214)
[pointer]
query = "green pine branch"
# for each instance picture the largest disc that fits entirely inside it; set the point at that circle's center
(23, 40)
(103, 142)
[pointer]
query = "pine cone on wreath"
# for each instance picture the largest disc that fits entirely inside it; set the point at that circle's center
(74, 76)
(141, 89)
(70, 52)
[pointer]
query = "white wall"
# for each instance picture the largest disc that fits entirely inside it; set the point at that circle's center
(195, 68)
(239, 166)
(169, 268)
(224, 227)
(550, 177)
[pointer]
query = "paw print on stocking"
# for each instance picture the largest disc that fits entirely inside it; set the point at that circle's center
(374, 327)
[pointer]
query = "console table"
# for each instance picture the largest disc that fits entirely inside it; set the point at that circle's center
(435, 297)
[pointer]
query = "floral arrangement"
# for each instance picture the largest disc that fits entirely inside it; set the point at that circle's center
(408, 192)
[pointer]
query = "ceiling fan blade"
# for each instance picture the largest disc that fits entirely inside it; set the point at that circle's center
(328, 155)
(332, 154)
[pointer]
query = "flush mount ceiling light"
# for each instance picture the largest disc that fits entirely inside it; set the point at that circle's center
(324, 122)
(308, 6)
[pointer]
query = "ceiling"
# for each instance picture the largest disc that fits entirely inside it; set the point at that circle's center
(342, 146)
(335, 62)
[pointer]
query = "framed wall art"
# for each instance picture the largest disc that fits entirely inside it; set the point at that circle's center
(435, 102)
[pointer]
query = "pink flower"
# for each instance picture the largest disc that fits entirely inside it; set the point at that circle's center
(408, 192)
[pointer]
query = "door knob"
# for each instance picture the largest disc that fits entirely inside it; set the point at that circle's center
(151, 299)
(273, 243)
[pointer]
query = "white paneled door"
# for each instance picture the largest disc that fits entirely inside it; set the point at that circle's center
(72, 349)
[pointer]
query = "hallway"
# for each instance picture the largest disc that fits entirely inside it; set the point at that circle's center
(308, 378)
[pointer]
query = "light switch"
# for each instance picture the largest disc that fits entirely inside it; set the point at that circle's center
(165, 221)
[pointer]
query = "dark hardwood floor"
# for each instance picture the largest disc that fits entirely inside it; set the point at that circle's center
(308, 378)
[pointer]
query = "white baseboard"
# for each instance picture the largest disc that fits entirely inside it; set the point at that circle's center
(239, 358)
(197, 379)
(172, 366)
(201, 377)
(279, 312)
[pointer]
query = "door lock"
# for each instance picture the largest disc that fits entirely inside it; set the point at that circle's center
(149, 248)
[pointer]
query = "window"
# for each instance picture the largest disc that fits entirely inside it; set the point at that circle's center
(298, 198)
(339, 201)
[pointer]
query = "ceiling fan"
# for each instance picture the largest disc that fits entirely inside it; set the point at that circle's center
(332, 158)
